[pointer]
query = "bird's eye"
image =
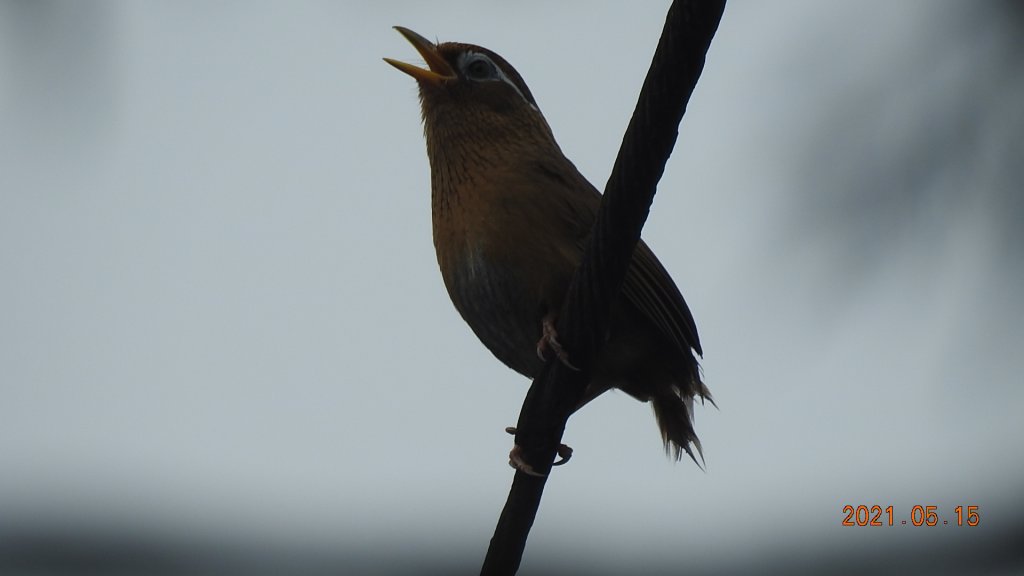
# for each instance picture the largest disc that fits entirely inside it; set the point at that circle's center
(477, 67)
(481, 68)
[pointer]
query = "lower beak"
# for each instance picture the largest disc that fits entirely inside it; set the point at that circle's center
(440, 71)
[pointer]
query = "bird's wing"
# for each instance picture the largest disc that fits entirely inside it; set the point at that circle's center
(649, 287)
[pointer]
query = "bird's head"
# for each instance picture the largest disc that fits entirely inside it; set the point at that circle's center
(469, 92)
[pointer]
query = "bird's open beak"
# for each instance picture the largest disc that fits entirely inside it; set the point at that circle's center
(440, 71)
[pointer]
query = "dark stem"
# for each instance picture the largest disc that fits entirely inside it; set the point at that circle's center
(677, 64)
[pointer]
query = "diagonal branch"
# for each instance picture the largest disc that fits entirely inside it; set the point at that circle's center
(677, 64)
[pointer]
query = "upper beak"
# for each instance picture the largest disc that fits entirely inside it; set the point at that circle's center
(439, 72)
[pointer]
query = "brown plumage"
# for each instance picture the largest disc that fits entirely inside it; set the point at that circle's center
(511, 217)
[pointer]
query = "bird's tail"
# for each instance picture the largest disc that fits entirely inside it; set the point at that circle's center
(673, 409)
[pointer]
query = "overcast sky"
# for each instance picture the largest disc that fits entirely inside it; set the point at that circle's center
(222, 327)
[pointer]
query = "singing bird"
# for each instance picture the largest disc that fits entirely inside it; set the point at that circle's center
(511, 217)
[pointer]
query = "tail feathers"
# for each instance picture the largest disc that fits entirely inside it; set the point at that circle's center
(674, 414)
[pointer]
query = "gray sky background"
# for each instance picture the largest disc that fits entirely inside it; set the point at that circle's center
(221, 320)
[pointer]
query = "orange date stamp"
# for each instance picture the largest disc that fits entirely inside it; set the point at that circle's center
(920, 515)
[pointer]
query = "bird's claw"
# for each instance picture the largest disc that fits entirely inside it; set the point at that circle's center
(515, 457)
(549, 339)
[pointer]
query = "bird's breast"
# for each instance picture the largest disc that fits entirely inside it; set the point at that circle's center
(499, 302)
(508, 241)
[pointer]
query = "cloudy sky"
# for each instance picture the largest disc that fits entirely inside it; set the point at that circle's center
(224, 340)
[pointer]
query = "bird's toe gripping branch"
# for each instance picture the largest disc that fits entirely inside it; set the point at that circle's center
(515, 457)
(549, 340)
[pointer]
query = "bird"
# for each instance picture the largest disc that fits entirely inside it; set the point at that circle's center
(511, 216)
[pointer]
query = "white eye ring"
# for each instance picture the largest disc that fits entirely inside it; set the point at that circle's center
(479, 67)
(469, 59)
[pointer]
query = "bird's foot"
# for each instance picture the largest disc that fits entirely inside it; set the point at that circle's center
(549, 340)
(515, 457)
